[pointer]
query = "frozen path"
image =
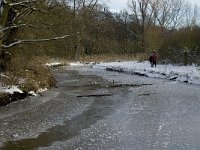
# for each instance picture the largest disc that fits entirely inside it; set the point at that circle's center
(162, 115)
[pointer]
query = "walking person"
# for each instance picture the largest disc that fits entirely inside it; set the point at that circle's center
(153, 59)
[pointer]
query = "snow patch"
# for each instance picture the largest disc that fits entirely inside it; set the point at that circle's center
(32, 93)
(42, 90)
(53, 64)
(76, 64)
(10, 89)
(189, 74)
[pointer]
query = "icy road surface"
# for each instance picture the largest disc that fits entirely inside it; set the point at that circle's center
(161, 116)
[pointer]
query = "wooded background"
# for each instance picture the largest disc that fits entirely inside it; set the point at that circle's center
(72, 29)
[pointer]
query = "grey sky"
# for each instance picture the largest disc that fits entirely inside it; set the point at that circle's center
(117, 5)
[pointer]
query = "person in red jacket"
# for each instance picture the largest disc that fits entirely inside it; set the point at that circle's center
(153, 59)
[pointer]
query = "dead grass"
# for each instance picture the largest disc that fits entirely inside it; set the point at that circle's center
(29, 74)
(109, 58)
(4, 98)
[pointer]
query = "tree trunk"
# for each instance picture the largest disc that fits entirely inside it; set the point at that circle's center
(3, 21)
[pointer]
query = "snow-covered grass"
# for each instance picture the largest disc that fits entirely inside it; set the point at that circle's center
(82, 64)
(10, 89)
(53, 64)
(189, 74)
(76, 64)
(25, 80)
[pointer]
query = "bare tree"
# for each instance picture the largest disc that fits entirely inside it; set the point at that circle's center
(82, 8)
(11, 15)
(191, 15)
(144, 18)
(168, 13)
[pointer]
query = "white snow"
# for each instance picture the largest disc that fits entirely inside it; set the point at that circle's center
(32, 93)
(42, 90)
(189, 74)
(13, 88)
(79, 64)
(76, 64)
(10, 89)
(53, 64)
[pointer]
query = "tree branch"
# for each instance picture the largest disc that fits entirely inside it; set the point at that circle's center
(31, 8)
(19, 3)
(34, 40)
(17, 26)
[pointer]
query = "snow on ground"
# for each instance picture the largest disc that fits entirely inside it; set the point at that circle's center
(189, 74)
(76, 64)
(53, 64)
(10, 89)
(81, 64)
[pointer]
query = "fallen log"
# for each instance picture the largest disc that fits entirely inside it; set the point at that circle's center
(94, 95)
(127, 85)
(147, 94)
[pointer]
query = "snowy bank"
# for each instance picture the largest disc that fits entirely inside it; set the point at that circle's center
(31, 82)
(15, 89)
(10, 89)
(188, 74)
(54, 64)
(9, 94)
(79, 64)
